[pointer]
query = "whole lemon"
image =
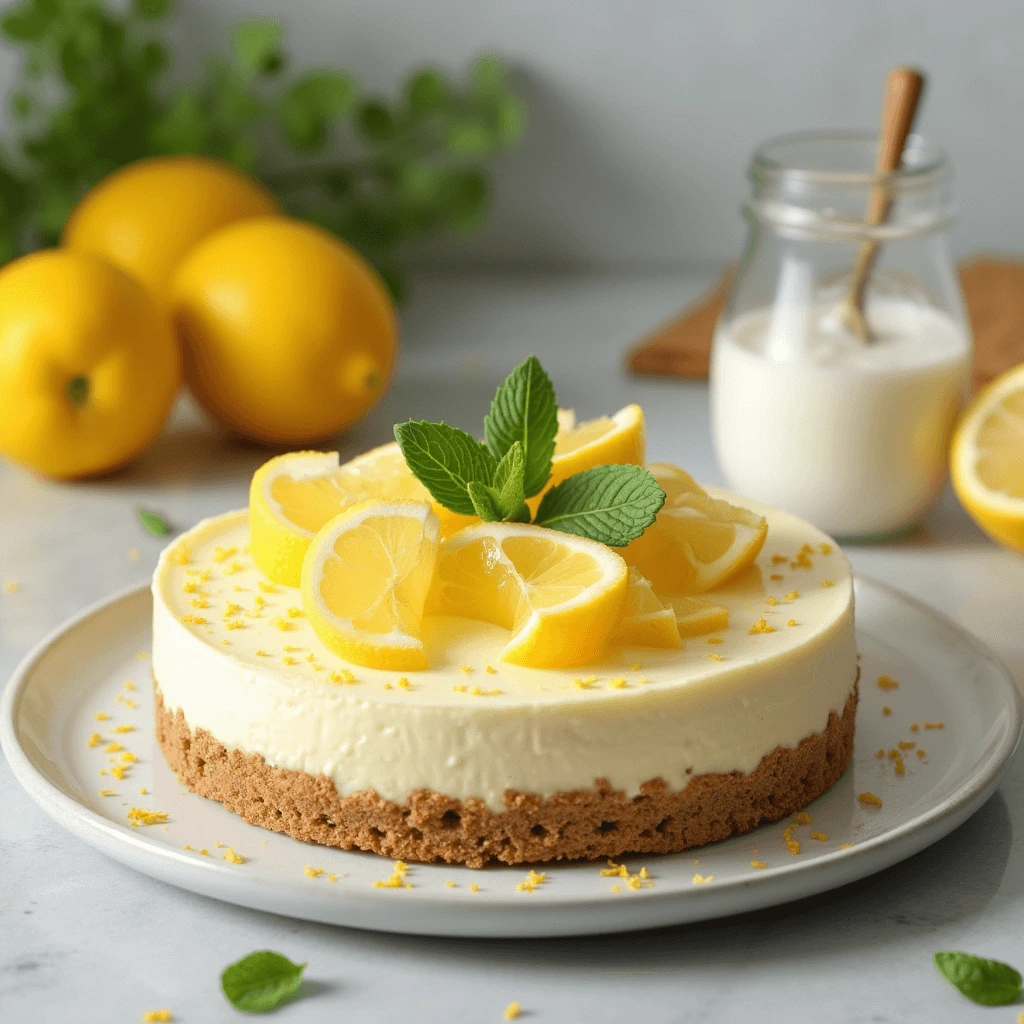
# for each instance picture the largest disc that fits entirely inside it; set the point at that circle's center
(89, 365)
(147, 216)
(288, 333)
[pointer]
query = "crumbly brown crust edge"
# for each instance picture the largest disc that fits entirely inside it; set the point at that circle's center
(583, 825)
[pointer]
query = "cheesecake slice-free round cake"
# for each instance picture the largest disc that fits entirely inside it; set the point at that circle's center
(473, 759)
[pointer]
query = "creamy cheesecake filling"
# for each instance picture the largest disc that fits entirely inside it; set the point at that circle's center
(230, 652)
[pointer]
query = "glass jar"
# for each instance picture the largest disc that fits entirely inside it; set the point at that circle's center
(852, 435)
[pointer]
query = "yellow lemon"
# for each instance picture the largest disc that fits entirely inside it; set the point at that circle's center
(617, 439)
(697, 542)
(365, 579)
(292, 496)
(146, 217)
(987, 460)
(289, 335)
(645, 621)
(560, 595)
(88, 364)
(696, 617)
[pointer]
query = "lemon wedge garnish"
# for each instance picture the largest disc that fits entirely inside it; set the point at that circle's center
(696, 617)
(645, 620)
(365, 579)
(292, 496)
(560, 595)
(988, 459)
(618, 439)
(697, 542)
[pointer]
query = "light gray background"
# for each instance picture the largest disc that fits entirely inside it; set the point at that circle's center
(644, 112)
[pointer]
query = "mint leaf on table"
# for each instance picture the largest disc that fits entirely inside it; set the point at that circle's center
(445, 460)
(610, 504)
(524, 409)
(259, 982)
(154, 523)
(987, 982)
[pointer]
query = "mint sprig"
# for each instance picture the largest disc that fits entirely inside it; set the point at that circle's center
(260, 982)
(614, 503)
(986, 982)
(610, 504)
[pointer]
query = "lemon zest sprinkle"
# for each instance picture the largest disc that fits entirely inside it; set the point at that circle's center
(869, 799)
(140, 816)
(761, 626)
(532, 881)
(95, 739)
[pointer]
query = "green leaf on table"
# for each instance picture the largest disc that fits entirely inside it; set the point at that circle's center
(260, 982)
(524, 409)
(154, 523)
(312, 103)
(987, 982)
(257, 46)
(610, 504)
(446, 460)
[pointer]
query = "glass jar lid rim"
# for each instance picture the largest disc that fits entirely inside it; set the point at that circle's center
(777, 158)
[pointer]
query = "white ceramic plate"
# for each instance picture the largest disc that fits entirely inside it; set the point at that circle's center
(944, 675)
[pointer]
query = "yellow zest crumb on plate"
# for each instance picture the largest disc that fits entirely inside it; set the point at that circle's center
(761, 626)
(490, 670)
(906, 744)
(803, 818)
(129, 685)
(156, 1016)
(95, 739)
(233, 858)
(512, 1011)
(332, 877)
(759, 864)
(715, 657)
(791, 622)
(134, 554)
(449, 884)
(820, 837)
(108, 792)
(616, 888)
(474, 887)
(846, 846)
(124, 728)
(143, 791)
(140, 816)
(397, 879)
(887, 683)
(777, 577)
(825, 584)
(793, 845)
(311, 872)
(618, 683)
(935, 725)
(101, 716)
(112, 748)
(12, 586)
(716, 640)
(702, 879)
(914, 727)
(868, 799)
(779, 559)
(532, 881)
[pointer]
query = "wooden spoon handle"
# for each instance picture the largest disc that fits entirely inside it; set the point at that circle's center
(902, 93)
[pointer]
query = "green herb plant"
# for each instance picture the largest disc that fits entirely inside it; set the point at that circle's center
(260, 982)
(986, 982)
(154, 523)
(493, 479)
(93, 94)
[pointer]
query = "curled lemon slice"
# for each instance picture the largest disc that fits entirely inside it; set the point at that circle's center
(560, 595)
(292, 496)
(645, 620)
(365, 579)
(697, 617)
(697, 542)
(988, 459)
(621, 438)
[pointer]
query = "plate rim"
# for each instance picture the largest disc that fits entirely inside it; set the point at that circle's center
(866, 858)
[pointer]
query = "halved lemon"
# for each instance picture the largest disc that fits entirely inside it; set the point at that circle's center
(560, 595)
(696, 617)
(697, 542)
(365, 580)
(621, 438)
(988, 459)
(645, 620)
(292, 496)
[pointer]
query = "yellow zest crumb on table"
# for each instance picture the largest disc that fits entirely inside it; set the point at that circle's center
(233, 858)
(156, 1016)
(397, 879)
(124, 728)
(845, 846)
(702, 879)
(792, 595)
(140, 816)
(101, 716)
(887, 711)
(217, 845)
(95, 739)
(825, 584)
(887, 683)
(759, 864)
(881, 753)
(935, 725)
(820, 837)
(262, 654)
(108, 792)
(449, 884)
(868, 799)
(619, 683)
(474, 887)
(532, 881)
(311, 872)
(777, 577)
(512, 1011)
(761, 626)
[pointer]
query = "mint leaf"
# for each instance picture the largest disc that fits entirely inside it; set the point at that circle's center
(257, 46)
(260, 981)
(508, 485)
(987, 982)
(524, 409)
(485, 502)
(445, 460)
(154, 523)
(610, 504)
(311, 104)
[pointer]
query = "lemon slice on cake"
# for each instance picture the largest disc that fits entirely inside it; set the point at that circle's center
(697, 542)
(365, 579)
(697, 617)
(646, 621)
(988, 459)
(560, 595)
(618, 439)
(292, 496)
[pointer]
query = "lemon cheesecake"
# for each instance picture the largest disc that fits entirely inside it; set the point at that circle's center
(525, 725)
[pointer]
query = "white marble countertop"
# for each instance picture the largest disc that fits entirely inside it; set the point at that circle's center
(84, 939)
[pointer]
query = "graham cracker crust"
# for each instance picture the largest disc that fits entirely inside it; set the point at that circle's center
(583, 825)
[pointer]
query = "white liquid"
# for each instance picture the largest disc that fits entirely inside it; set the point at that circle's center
(851, 436)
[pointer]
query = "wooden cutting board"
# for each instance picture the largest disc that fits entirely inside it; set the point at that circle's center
(993, 287)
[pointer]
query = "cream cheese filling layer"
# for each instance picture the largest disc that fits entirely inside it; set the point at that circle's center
(235, 654)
